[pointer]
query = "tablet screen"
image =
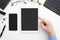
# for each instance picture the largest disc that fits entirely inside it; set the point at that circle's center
(29, 19)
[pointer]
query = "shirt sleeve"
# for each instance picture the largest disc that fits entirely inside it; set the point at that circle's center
(52, 38)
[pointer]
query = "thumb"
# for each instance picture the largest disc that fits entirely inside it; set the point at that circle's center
(43, 26)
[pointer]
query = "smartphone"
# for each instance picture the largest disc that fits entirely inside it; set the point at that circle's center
(13, 22)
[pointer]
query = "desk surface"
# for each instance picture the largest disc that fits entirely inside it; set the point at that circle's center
(41, 35)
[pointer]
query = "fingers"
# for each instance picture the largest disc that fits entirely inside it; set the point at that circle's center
(43, 20)
(42, 25)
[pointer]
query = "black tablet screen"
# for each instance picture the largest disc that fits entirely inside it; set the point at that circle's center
(29, 19)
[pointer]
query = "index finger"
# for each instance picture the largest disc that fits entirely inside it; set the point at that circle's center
(44, 20)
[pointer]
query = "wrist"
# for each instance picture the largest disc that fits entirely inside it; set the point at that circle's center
(52, 33)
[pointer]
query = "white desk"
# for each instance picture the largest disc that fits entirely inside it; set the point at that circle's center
(41, 35)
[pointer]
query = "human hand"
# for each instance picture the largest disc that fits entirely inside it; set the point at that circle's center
(47, 26)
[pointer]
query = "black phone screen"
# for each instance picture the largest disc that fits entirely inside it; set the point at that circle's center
(29, 19)
(13, 22)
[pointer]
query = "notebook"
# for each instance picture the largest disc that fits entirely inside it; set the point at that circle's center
(4, 3)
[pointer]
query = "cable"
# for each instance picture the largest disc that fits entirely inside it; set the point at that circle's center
(25, 2)
(38, 2)
(2, 31)
(31, 0)
(18, 2)
(3, 13)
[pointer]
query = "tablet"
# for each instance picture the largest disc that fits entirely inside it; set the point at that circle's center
(29, 19)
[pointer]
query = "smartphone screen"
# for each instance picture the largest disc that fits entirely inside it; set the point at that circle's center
(13, 22)
(29, 19)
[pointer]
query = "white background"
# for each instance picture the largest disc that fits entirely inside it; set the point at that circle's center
(42, 12)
